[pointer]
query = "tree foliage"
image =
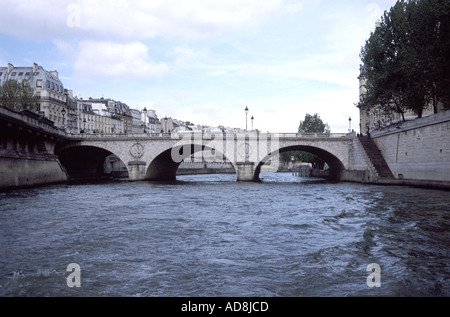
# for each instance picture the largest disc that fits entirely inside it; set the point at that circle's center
(406, 58)
(18, 96)
(311, 124)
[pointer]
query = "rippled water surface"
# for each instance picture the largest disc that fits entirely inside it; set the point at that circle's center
(208, 235)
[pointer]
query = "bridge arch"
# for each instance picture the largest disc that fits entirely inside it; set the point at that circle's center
(158, 158)
(336, 166)
(88, 161)
(165, 165)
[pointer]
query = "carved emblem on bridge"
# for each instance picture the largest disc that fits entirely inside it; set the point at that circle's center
(137, 150)
(244, 151)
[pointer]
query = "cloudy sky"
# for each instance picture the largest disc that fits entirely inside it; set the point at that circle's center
(202, 61)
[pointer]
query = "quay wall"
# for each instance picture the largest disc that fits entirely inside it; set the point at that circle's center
(18, 172)
(192, 168)
(27, 145)
(418, 150)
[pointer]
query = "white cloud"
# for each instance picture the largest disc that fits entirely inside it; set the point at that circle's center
(135, 19)
(33, 19)
(216, 73)
(65, 48)
(282, 58)
(185, 56)
(252, 70)
(112, 60)
(200, 18)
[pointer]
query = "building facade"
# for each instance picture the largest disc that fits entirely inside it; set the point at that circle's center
(151, 121)
(119, 112)
(47, 87)
(93, 115)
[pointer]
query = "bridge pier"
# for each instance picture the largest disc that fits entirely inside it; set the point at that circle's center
(245, 171)
(137, 170)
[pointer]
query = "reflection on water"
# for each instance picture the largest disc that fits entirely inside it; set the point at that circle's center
(208, 235)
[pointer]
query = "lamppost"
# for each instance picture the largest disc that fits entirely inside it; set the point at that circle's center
(145, 119)
(252, 121)
(349, 124)
(63, 114)
(246, 113)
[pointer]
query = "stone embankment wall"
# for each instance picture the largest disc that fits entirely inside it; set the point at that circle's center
(417, 152)
(419, 149)
(26, 152)
(24, 172)
(205, 168)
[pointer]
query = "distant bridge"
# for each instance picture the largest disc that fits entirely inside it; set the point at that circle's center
(157, 156)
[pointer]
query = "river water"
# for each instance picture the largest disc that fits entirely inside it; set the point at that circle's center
(207, 235)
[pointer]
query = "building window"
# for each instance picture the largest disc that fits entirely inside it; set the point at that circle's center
(21, 74)
(39, 83)
(13, 74)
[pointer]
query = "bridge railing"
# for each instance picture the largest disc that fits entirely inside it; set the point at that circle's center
(117, 135)
(203, 135)
(311, 135)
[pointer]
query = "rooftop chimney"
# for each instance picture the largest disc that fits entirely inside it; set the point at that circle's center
(54, 73)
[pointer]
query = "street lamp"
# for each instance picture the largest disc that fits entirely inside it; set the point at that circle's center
(63, 114)
(145, 119)
(349, 124)
(252, 121)
(246, 113)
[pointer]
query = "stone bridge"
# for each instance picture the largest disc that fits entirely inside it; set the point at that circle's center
(157, 157)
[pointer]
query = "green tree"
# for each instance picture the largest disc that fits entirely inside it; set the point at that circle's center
(311, 124)
(406, 58)
(18, 96)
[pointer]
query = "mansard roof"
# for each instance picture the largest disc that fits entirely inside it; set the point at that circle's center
(36, 75)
